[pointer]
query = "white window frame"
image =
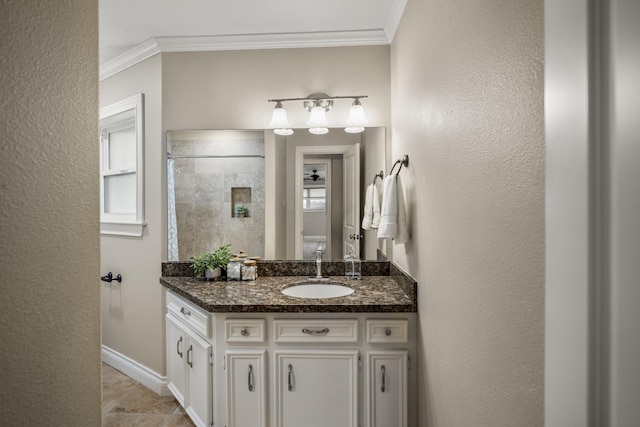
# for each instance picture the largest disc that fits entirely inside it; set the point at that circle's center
(306, 197)
(123, 224)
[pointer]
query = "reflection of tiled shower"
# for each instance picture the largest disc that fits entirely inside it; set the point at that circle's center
(212, 175)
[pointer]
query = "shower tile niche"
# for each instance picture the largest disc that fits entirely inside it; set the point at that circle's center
(240, 196)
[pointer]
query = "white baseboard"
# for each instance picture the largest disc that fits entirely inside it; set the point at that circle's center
(134, 370)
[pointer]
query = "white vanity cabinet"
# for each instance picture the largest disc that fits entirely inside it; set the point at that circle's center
(386, 385)
(246, 389)
(245, 363)
(316, 388)
(189, 358)
(386, 388)
(302, 369)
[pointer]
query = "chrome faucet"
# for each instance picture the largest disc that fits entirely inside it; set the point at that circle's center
(319, 263)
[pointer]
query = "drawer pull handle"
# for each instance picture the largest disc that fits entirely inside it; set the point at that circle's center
(249, 379)
(315, 331)
(290, 377)
(178, 347)
(384, 375)
(244, 332)
(189, 361)
(185, 311)
(387, 331)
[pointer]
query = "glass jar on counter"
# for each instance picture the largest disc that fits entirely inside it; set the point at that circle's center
(234, 269)
(352, 265)
(250, 270)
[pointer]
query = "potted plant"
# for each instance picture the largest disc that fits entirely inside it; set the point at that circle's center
(211, 264)
(242, 211)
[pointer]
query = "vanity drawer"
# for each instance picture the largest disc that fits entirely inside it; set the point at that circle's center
(244, 330)
(287, 331)
(383, 331)
(189, 313)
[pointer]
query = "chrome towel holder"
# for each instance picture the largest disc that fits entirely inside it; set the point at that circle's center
(404, 161)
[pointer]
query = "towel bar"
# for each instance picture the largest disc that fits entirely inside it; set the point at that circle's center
(404, 161)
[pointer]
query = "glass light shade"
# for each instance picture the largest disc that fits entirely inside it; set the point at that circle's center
(318, 131)
(357, 119)
(317, 119)
(279, 118)
(354, 129)
(283, 132)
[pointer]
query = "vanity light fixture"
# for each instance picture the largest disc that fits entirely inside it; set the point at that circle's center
(356, 120)
(280, 122)
(318, 104)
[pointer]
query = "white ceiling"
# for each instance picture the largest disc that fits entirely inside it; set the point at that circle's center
(181, 25)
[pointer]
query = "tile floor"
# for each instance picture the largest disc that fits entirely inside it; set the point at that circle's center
(126, 403)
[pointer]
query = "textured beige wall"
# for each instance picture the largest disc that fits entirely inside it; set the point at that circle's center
(467, 107)
(133, 311)
(49, 247)
(230, 89)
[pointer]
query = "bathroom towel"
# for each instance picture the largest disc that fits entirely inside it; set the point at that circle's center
(393, 216)
(375, 222)
(389, 210)
(402, 232)
(371, 217)
(367, 218)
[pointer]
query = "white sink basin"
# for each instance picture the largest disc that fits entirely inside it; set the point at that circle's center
(317, 290)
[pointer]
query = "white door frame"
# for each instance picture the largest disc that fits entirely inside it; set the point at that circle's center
(301, 151)
(326, 162)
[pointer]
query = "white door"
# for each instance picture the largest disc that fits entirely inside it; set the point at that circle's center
(199, 379)
(317, 388)
(176, 371)
(246, 388)
(386, 389)
(351, 220)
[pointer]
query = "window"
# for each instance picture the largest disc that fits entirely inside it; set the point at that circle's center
(314, 199)
(121, 168)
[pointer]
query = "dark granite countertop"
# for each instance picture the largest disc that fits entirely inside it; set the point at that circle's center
(381, 294)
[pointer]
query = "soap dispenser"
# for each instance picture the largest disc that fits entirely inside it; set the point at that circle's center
(352, 265)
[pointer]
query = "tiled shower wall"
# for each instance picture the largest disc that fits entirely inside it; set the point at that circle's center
(204, 211)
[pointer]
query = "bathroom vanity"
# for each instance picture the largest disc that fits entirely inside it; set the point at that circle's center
(245, 354)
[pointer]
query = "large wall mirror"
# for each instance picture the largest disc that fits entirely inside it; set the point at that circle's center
(271, 196)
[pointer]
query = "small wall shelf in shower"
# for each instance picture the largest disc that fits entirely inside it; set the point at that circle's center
(240, 197)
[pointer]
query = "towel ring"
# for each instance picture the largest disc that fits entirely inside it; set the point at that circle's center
(403, 162)
(378, 175)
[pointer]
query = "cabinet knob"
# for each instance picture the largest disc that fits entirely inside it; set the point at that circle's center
(244, 332)
(387, 331)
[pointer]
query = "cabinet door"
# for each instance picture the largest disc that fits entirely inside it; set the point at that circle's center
(317, 388)
(199, 380)
(176, 366)
(246, 388)
(386, 389)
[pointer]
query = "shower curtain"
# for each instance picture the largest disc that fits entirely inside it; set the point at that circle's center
(172, 250)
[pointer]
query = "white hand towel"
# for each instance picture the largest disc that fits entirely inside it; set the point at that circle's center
(367, 218)
(375, 222)
(402, 233)
(389, 210)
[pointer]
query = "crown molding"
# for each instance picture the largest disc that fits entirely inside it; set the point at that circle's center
(245, 42)
(129, 58)
(393, 20)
